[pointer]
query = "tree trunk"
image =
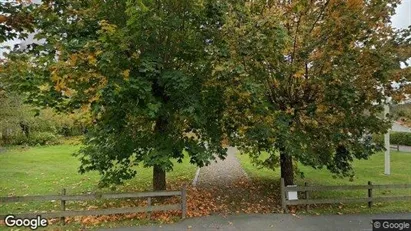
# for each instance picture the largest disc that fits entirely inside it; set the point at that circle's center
(287, 169)
(159, 175)
(159, 178)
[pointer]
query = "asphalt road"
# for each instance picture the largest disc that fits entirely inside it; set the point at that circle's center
(281, 222)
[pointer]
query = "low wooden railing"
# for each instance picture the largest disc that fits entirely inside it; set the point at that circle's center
(63, 198)
(370, 199)
(395, 147)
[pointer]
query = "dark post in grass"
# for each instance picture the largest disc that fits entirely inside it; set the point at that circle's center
(148, 208)
(307, 206)
(183, 201)
(369, 194)
(283, 202)
(63, 206)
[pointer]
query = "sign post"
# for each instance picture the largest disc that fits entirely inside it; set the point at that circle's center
(387, 168)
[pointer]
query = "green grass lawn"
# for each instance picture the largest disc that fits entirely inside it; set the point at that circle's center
(366, 170)
(47, 170)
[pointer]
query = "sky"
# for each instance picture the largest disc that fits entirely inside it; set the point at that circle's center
(401, 19)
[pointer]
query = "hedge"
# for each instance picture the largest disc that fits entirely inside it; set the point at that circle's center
(399, 138)
(38, 138)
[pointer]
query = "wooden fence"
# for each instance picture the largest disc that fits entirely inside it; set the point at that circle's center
(395, 147)
(99, 196)
(368, 190)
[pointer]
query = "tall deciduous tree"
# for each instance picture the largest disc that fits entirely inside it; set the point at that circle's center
(309, 78)
(140, 67)
(302, 78)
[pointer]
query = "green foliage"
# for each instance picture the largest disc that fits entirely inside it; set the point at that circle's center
(401, 111)
(399, 138)
(15, 20)
(306, 78)
(38, 138)
(140, 68)
(20, 125)
(18, 139)
(378, 139)
(43, 138)
(300, 77)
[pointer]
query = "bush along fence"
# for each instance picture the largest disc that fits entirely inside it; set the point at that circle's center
(289, 194)
(396, 138)
(65, 198)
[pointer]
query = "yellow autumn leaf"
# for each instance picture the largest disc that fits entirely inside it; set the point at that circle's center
(59, 86)
(107, 27)
(73, 59)
(68, 92)
(355, 4)
(94, 98)
(91, 59)
(299, 74)
(126, 74)
(54, 76)
(85, 107)
(44, 87)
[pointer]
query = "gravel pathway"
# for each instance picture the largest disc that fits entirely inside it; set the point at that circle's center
(223, 172)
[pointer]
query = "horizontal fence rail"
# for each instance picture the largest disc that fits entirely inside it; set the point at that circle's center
(88, 197)
(98, 212)
(396, 147)
(345, 187)
(100, 196)
(369, 189)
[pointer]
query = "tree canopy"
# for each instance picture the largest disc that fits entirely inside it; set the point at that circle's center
(140, 68)
(305, 79)
(316, 74)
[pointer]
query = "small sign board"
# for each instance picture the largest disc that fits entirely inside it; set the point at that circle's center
(292, 195)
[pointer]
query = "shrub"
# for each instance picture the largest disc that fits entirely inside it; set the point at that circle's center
(38, 138)
(42, 138)
(401, 110)
(402, 113)
(18, 139)
(17, 118)
(399, 138)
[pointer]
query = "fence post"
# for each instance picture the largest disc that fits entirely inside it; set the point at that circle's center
(307, 206)
(398, 147)
(283, 200)
(149, 206)
(63, 206)
(183, 201)
(369, 194)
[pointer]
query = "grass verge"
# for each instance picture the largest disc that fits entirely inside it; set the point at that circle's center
(47, 170)
(366, 170)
